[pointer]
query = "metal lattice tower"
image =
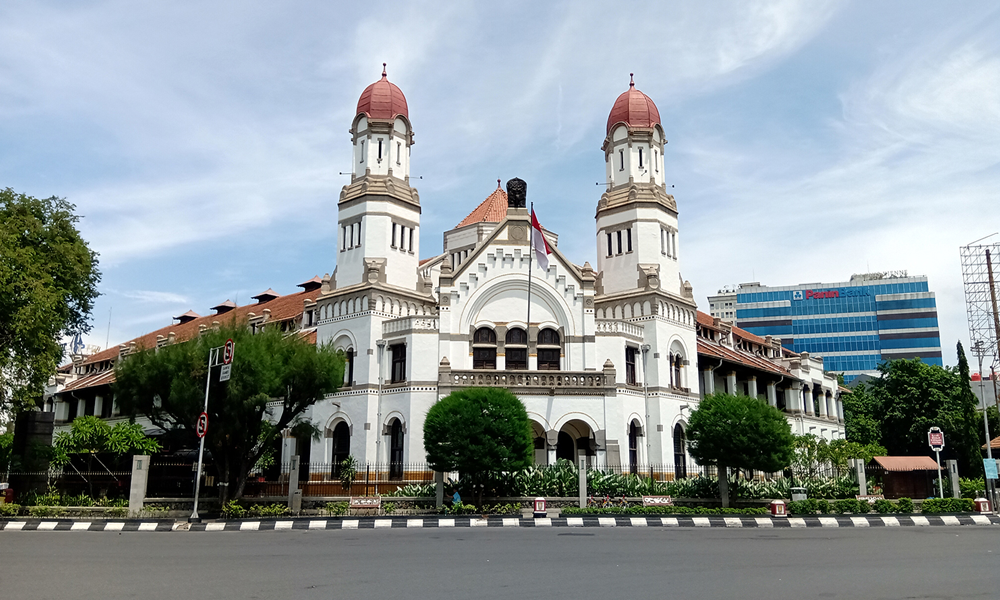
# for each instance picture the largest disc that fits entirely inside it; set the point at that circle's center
(979, 302)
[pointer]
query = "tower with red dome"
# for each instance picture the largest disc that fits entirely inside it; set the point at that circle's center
(636, 218)
(379, 212)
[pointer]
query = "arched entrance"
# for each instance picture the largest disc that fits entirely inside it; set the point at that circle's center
(538, 438)
(576, 439)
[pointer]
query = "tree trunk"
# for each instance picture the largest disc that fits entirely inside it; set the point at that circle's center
(724, 485)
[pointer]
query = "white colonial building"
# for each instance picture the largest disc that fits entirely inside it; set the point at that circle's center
(609, 362)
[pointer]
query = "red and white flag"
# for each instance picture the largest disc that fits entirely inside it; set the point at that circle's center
(542, 250)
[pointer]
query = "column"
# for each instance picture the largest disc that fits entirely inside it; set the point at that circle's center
(731, 383)
(772, 394)
(822, 404)
(753, 386)
(807, 399)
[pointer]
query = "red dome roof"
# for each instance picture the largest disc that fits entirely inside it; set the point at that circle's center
(634, 108)
(382, 100)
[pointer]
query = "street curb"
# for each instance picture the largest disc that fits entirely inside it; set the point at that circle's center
(432, 521)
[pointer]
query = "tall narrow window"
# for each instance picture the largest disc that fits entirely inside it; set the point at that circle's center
(516, 349)
(610, 252)
(484, 349)
(548, 350)
(396, 450)
(656, 160)
(678, 363)
(349, 371)
(633, 448)
(402, 238)
(663, 241)
(630, 377)
(341, 446)
(640, 158)
(394, 235)
(399, 153)
(362, 151)
(680, 452)
(619, 241)
(621, 160)
(380, 149)
(343, 237)
(398, 362)
(411, 241)
(628, 235)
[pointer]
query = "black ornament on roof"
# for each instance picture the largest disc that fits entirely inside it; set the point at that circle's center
(517, 193)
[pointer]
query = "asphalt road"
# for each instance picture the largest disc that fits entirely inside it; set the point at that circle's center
(878, 563)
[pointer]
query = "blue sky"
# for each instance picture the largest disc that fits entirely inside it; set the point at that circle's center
(202, 141)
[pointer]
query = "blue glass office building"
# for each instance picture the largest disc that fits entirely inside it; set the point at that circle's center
(854, 325)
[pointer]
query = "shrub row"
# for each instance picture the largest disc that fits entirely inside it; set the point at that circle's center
(13, 510)
(947, 505)
(663, 510)
(812, 506)
(235, 510)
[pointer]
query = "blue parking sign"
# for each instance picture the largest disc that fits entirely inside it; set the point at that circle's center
(991, 468)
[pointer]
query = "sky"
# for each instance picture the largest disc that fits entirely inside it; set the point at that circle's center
(203, 142)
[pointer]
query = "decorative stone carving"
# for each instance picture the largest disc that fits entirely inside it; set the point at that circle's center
(518, 233)
(517, 193)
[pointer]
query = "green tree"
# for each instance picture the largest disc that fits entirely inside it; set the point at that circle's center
(91, 436)
(739, 432)
(478, 432)
(862, 416)
(269, 368)
(48, 278)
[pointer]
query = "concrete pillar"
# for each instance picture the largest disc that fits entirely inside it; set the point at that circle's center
(81, 408)
(731, 383)
(98, 405)
(709, 386)
(293, 480)
(724, 486)
(438, 489)
(840, 409)
(137, 489)
(807, 399)
(772, 395)
(822, 405)
(956, 491)
(859, 468)
(583, 482)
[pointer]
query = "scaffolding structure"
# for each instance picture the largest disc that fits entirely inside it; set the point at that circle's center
(979, 274)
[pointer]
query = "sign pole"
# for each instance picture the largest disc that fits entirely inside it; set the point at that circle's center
(201, 444)
(940, 484)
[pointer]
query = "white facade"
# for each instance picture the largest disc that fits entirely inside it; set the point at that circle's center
(606, 365)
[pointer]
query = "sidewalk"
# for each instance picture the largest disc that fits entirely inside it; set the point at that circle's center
(128, 525)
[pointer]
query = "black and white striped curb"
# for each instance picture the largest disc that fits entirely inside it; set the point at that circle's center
(417, 522)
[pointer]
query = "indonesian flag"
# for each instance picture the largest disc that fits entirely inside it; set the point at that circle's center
(542, 250)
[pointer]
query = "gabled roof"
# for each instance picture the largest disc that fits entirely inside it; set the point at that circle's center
(491, 210)
(224, 307)
(265, 296)
(740, 357)
(187, 316)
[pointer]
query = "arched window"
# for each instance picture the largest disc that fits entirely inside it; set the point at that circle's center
(633, 448)
(341, 446)
(548, 350)
(484, 349)
(676, 375)
(349, 368)
(680, 452)
(516, 349)
(396, 449)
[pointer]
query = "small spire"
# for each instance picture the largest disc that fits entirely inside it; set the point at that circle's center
(631, 79)
(498, 183)
(383, 69)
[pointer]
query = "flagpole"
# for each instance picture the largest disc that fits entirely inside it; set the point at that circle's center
(531, 238)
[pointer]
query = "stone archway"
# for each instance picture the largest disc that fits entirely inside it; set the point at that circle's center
(576, 440)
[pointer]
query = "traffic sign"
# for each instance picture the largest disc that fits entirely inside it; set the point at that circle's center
(990, 466)
(935, 437)
(225, 372)
(227, 352)
(201, 428)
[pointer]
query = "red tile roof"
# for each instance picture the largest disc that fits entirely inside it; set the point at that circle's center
(633, 108)
(740, 357)
(491, 210)
(906, 463)
(282, 308)
(382, 100)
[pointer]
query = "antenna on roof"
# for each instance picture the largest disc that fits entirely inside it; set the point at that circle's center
(107, 341)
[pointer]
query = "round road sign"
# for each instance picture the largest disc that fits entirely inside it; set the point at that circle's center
(201, 428)
(227, 351)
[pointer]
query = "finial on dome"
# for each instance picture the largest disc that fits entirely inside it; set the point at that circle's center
(498, 183)
(383, 69)
(631, 79)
